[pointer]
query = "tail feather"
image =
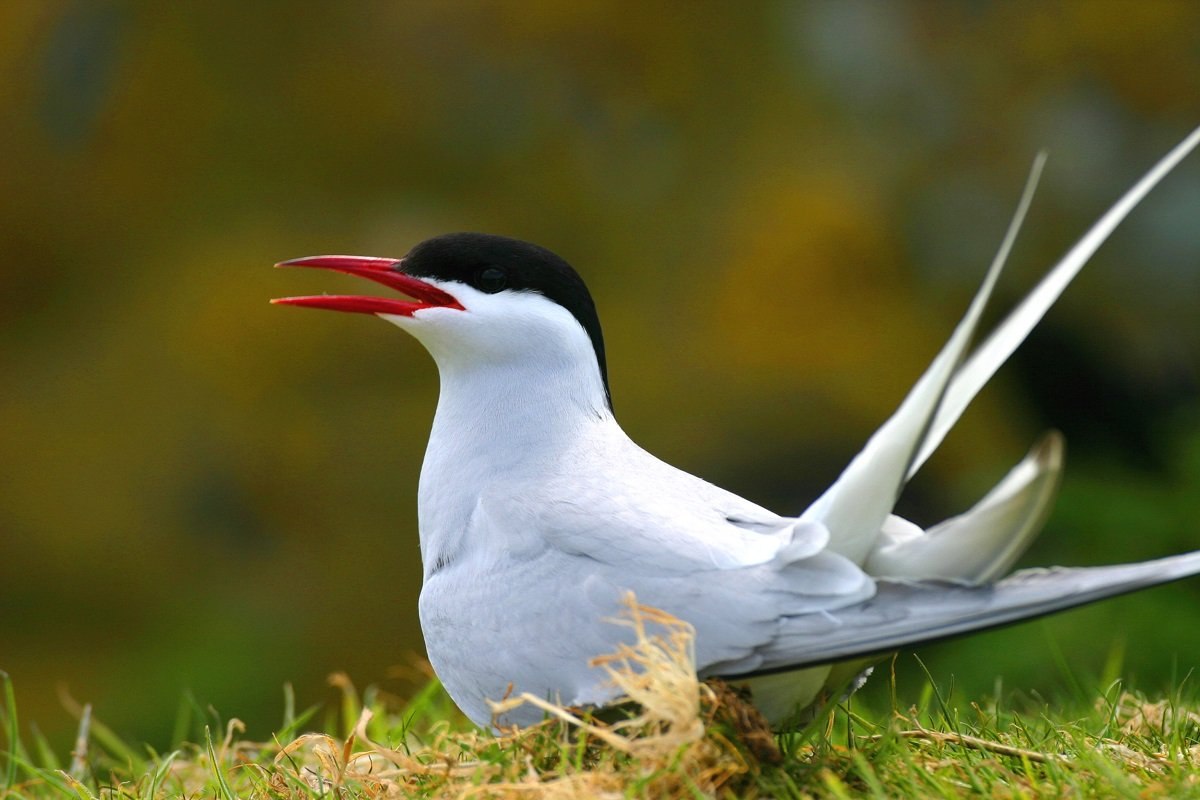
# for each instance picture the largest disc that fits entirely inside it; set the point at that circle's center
(982, 544)
(856, 505)
(989, 356)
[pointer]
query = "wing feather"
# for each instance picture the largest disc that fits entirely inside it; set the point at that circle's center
(903, 615)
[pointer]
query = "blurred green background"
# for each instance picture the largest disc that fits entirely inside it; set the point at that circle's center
(782, 208)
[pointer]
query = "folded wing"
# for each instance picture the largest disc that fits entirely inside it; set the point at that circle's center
(902, 615)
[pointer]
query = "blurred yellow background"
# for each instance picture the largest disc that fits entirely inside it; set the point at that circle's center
(781, 208)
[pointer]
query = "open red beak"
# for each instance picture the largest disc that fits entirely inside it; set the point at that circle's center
(381, 270)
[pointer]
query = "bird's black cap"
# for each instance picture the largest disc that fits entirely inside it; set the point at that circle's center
(492, 264)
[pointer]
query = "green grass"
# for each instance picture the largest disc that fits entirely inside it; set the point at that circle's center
(683, 739)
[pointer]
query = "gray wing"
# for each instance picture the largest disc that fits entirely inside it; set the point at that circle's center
(904, 614)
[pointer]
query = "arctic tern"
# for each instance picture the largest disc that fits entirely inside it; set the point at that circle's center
(537, 513)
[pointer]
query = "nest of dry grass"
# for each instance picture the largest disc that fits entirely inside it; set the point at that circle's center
(674, 741)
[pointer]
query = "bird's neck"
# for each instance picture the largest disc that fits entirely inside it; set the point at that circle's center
(500, 423)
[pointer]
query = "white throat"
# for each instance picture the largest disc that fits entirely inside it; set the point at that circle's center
(520, 384)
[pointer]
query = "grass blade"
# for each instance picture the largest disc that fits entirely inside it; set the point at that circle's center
(14, 742)
(225, 790)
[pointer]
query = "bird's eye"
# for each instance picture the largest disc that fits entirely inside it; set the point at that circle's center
(492, 279)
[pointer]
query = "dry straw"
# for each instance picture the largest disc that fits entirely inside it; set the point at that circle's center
(665, 746)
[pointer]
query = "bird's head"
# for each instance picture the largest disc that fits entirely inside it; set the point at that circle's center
(476, 300)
